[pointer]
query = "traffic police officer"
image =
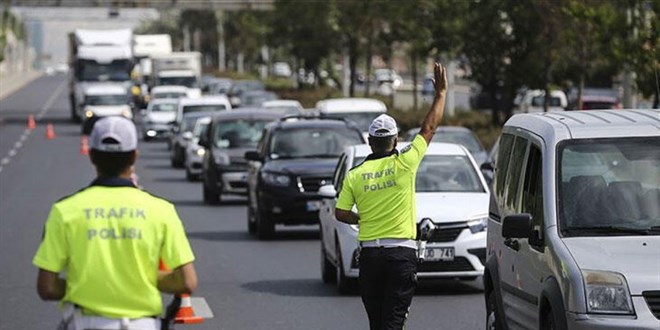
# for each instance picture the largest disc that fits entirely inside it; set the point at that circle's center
(109, 239)
(383, 189)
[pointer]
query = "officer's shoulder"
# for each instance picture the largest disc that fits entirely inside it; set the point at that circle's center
(70, 196)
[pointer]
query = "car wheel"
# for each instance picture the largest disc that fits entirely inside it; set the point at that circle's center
(190, 176)
(493, 317)
(328, 270)
(177, 157)
(265, 227)
(251, 222)
(345, 285)
(210, 197)
(548, 322)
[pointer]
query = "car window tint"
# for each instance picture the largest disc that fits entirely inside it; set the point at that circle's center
(506, 144)
(438, 173)
(513, 174)
(239, 133)
(204, 108)
(338, 169)
(312, 142)
(532, 196)
(466, 139)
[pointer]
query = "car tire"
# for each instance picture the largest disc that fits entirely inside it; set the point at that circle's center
(328, 270)
(345, 285)
(265, 227)
(493, 318)
(210, 197)
(548, 322)
(189, 176)
(177, 157)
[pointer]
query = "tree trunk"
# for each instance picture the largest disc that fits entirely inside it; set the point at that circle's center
(494, 101)
(353, 57)
(368, 62)
(414, 78)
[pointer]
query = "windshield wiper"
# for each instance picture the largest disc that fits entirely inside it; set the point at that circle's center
(613, 229)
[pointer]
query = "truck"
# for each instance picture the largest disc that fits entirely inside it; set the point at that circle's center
(146, 46)
(98, 56)
(178, 68)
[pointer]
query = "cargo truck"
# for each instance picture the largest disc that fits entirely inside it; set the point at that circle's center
(178, 69)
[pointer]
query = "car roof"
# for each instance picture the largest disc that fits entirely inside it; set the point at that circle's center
(444, 129)
(434, 148)
(105, 89)
(248, 113)
(311, 122)
(215, 99)
(351, 104)
(554, 127)
(162, 101)
(169, 88)
(281, 103)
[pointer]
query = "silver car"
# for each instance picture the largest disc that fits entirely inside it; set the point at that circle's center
(574, 228)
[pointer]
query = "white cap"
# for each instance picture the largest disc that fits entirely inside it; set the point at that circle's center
(383, 126)
(113, 134)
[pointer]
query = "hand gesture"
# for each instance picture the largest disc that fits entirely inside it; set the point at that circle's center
(440, 79)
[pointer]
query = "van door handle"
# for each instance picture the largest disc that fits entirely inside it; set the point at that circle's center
(512, 243)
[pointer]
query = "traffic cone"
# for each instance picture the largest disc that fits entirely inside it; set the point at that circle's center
(31, 124)
(186, 315)
(50, 132)
(84, 146)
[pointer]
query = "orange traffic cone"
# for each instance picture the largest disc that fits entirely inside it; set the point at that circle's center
(84, 146)
(31, 124)
(186, 315)
(50, 132)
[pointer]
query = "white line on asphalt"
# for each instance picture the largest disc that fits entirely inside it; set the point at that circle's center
(28, 131)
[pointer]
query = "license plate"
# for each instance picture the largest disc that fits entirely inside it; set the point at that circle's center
(439, 254)
(313, 205)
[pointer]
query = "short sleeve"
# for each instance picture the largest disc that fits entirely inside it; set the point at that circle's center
(412, 155)
(52, 252)
(176, 250)
(346, 198)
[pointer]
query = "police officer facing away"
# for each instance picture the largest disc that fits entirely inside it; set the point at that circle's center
(383, 189)
(109, 239)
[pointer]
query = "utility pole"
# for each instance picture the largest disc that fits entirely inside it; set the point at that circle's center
(220, 20)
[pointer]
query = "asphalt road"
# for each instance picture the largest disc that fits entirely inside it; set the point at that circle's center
(249, 284)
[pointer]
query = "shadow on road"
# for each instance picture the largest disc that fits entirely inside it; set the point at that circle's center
(448, 287)
(293, 288)
(225, 236)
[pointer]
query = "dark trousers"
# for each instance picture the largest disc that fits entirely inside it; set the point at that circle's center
(388, 277)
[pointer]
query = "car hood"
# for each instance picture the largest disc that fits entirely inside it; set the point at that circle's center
(161, 117)
(303, 166)
(636, 257)
(236, 155)
(451, 207)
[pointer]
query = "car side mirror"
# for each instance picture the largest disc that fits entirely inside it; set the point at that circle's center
(517, 225)
(328, 191)
(187, 135)
(204, 141)
(253, 155)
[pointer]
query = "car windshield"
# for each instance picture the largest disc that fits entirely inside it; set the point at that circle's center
(203, 108)
(169, 95)
(200, 128)
(89, 70)
(164, 107)
(106, 100)
(537, 101)
(190, 82)
(240, 133)
(361, 119)
(610, 187)
(327, 142)
(444, 173)
(257, 99)
(188, 123)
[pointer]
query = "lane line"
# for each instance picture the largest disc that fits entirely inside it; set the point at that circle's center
(19, 144)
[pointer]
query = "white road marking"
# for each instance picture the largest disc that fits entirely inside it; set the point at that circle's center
(27, 132)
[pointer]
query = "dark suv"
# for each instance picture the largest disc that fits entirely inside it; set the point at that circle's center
(295, 156)
(230, 135)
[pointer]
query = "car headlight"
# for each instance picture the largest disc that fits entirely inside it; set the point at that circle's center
(276, 179)
(478, 225)
(127, 113)
(200, 152)
(607, 293)
(89, 113)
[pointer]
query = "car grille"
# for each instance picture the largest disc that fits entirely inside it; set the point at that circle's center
(446, 234)
(459, 264)
(653, 300)
(312, 184)
(238, 184)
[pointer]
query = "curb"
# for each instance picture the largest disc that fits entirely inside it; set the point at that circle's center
(11, 83)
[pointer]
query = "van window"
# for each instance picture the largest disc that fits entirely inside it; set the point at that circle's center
(506, 144)
(513, 174)
(532, 196)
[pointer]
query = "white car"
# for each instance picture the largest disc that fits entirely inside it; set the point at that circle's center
(361, 111)
(450, 191)
(195, 152)
(157, 118)
(533, 100)
(203, 104)
(168, 92)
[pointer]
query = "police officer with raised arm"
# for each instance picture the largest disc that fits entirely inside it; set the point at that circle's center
(109, 239)
(383, 190)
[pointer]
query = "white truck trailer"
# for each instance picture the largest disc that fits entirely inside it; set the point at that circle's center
(179, 69)
(98, 56)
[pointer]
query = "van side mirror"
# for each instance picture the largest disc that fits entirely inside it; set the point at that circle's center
(253, 155)
(517, 225)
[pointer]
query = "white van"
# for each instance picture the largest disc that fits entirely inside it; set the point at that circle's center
(533, 101)
(203, 104)
(361, 111)
(574, 226)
